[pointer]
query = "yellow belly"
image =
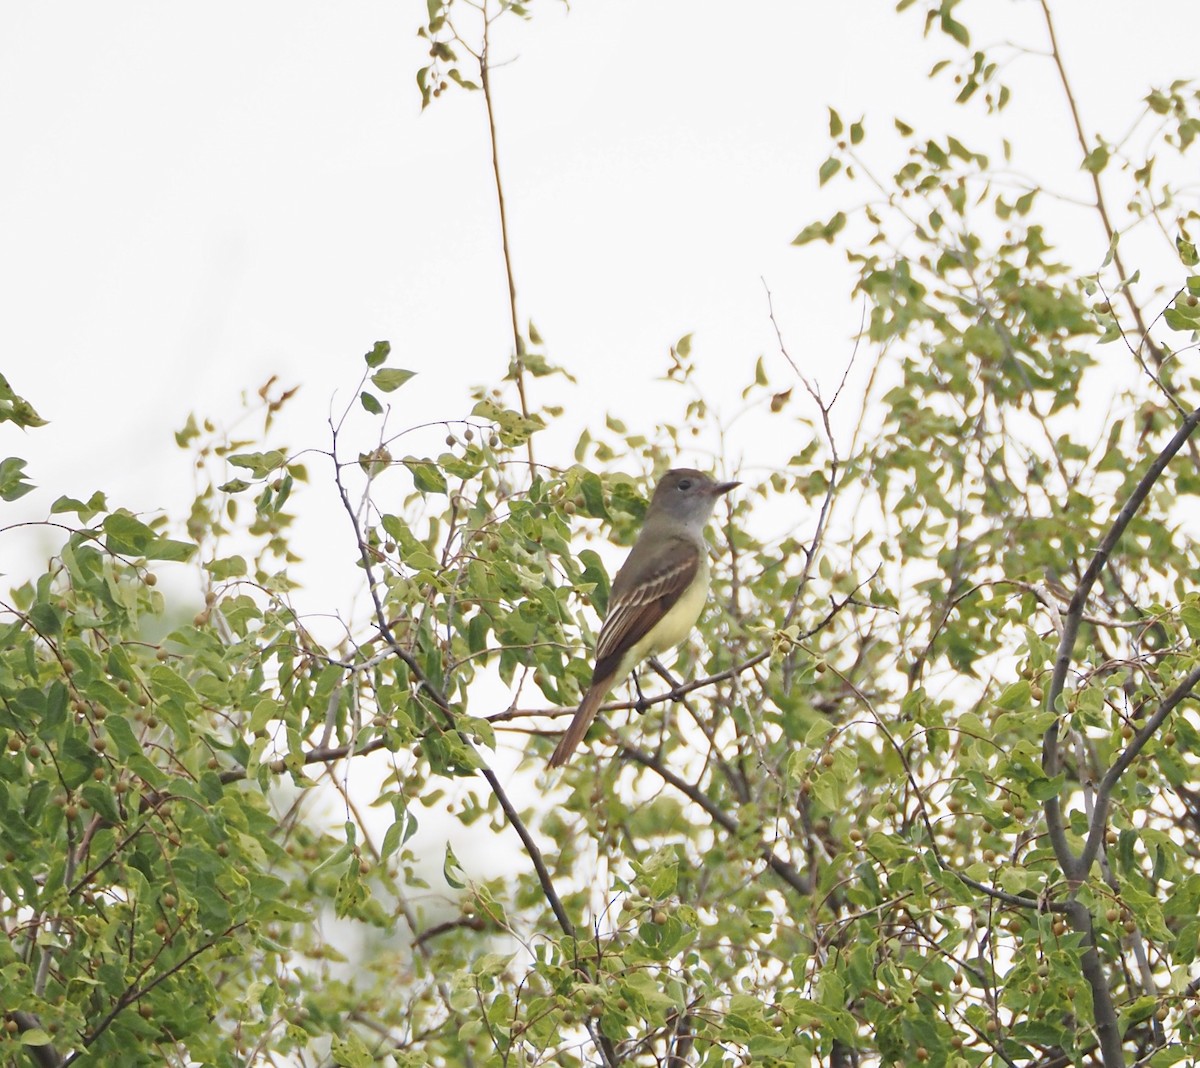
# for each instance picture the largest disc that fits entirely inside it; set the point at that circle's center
(674, 627)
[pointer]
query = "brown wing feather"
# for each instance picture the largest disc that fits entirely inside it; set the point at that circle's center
(633, 610)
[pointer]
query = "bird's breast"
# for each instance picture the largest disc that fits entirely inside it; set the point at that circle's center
(677, 624)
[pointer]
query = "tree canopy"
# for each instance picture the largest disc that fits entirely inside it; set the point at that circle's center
(921, 790)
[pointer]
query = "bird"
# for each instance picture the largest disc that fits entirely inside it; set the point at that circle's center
(658, 593)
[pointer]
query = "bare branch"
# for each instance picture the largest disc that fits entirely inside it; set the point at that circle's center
(1072, 866)
(1108, 1029)
(1137, 743)
(485, 81)
(1100, 204)
(443, 704)
(799, 882)
(1076, 868)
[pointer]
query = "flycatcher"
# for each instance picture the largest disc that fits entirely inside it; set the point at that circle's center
(658, 593)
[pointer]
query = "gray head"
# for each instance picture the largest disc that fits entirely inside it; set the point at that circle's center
(687, 496)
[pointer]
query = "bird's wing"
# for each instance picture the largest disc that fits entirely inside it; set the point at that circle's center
(633, 610)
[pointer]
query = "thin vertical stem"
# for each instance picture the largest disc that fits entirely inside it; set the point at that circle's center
(518, 341)
(1101, 206)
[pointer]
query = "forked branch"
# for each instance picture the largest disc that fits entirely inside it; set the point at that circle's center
(444, 706)
(1072, 865)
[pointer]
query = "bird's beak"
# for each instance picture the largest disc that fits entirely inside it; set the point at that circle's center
(721, 488)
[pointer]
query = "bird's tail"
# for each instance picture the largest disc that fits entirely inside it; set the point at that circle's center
(580, 723)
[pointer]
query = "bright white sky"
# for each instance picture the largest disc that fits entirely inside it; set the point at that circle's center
(196, 197)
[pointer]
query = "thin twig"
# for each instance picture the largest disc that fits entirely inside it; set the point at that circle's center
(1072, 866)
(136, 993)
(1100, 205)
(799, 882)
(485, 82)
(1023, 901)
(443, 704)
(835, 462)
(1076, 868)
(1138, 742)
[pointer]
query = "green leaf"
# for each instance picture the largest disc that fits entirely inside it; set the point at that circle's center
(380, 350)
(96, 504)
(189, 433)
(391, 379)
(452, 871)
(1139, 1009)
(491, 964)
(260, 464)
(264, 711)
(226, 568)
(1096, 160)
(826, 231)
(810, 233)
(126, 534)
(1017, 695)
(129, 536)
(595, 574)
(170, 550)
(369, 402)
(167, 683)
(661, 874)
(1042, 789)
(35, 1036)
(46, 619)
(592, 490)
(338, 857)
(121, 735)
(828, 169)
(13, 484)
(1159, 102)
(352, 893)
(102, 800)
(455, 76)
(400, 831)
(350, 1051)
(375, 462)
(1178, 321)
(427, 476)
(17, 409)
(955, 29)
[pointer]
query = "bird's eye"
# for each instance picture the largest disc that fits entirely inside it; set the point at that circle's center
(685, 484)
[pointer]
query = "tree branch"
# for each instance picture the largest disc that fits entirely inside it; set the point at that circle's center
(443, 704)
(1108, 1028)
(799, 882)
(1100, 205)
(46, 1056)
(1076, 868)
(135, 993)
(1104, 791)
(485, 82)
(1071, 865)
